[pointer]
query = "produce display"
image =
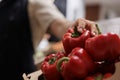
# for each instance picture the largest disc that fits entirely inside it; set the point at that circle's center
(85, 56)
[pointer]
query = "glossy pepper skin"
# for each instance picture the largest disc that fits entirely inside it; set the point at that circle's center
(48, 66)
(81, 53)
(75, 66)
(103, 47)
(73, 39)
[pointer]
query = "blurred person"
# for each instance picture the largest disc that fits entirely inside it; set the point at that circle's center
(23, 23)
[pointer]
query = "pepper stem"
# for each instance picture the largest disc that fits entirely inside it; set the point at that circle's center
(60, 62)
(99, 32)
(52, 60)
(76, 33)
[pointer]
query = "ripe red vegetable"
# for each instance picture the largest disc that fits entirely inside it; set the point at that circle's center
(103, 47)
(76, 66)
(72, 68)
(48, 66)
(73, 39)
(81, 53)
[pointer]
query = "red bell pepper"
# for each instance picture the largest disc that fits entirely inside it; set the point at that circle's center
(76, 66)
(48, 66)
(76, 36)
(81, 53)
(73, 68)
(73, 39)
(103, 47)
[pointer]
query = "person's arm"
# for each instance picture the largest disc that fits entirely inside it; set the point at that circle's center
(59, 27)
(44, 16)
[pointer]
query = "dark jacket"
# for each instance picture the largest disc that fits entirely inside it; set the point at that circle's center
(16, 48)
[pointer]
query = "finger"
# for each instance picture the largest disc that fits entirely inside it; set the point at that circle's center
(94, 30)
(92, 27)
(80, 24)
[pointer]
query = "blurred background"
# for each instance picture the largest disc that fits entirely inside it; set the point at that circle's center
(105, 12)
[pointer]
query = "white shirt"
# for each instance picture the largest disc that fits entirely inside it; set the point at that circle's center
(42, 13)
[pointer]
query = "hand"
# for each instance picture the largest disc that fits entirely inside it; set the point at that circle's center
(83, 24)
